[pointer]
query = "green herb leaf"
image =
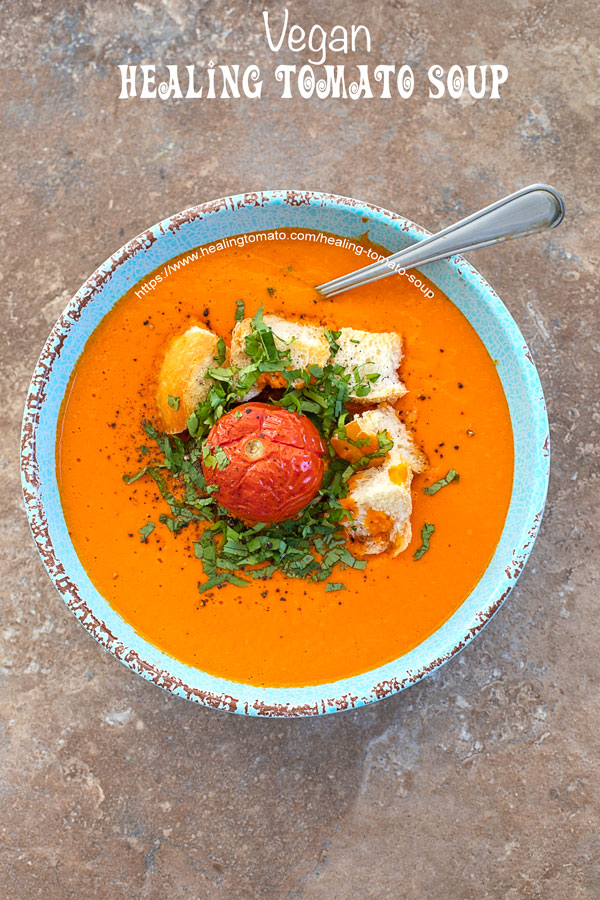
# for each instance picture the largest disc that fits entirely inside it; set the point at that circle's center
(239, 310)
(145, 531)
(216, 580)
(334, 586)
(221, 351)
(174, 402)
(129, 479)
(332, 338)
(221, 457)
(438, 485)
(426, 533)
(215, 457)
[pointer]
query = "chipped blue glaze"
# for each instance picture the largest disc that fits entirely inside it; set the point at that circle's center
(225, 218)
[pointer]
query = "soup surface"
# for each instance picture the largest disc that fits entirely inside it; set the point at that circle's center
(284, 631)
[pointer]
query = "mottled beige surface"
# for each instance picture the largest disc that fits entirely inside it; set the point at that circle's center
(482, 781)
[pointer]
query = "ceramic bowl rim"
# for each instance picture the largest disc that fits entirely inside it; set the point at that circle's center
(141, 656)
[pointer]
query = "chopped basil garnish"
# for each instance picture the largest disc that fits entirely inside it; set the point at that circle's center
(215, 458)
(334, 586)
(426, 532)
(173, 403)
(221, 351)
(145, 531)
(309, 546)
(438, 485)
(332, 337)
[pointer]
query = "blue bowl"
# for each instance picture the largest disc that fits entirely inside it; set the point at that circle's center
(210, 222)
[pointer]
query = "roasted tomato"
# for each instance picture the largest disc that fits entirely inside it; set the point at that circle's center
(275, 463)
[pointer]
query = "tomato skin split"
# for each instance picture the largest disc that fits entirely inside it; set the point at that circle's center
(276, 462)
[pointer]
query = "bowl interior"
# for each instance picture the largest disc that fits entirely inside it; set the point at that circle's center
(227, 218)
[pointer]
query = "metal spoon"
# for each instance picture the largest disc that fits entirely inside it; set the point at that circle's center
(528, 211)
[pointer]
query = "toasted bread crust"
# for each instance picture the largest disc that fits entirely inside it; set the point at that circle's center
(370, 352)
(381, 496)
(373, 353)
(182, 376)
(307, 345)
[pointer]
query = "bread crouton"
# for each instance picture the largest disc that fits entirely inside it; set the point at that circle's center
(367, 352)
(357, 443)
(372, 353)
(380, 499)
(307, 345)
(182, 376)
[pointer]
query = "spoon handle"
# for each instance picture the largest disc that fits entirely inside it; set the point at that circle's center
(527, 211)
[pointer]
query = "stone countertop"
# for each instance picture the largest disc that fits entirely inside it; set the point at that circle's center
(481, 781)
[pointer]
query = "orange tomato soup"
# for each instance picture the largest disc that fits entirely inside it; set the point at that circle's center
(284, 631)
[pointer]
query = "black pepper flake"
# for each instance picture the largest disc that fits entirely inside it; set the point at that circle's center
(206, 312)
(264, 594)
(461, 385)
